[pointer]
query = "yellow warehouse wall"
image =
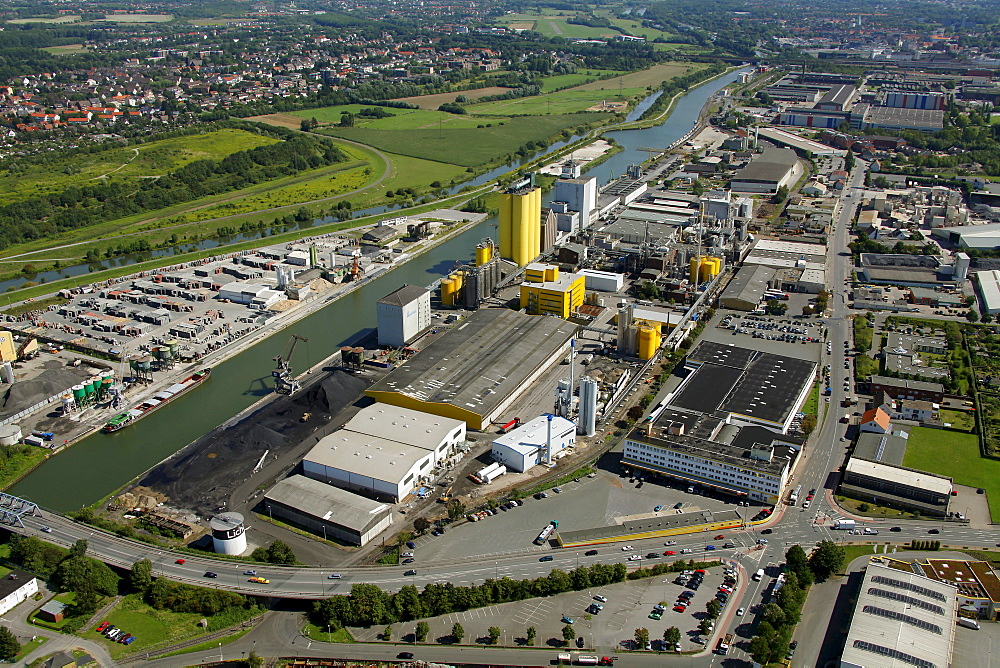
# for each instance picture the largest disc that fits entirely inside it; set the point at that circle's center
(472, 419)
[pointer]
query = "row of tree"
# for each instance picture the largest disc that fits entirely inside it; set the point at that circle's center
(369, 605)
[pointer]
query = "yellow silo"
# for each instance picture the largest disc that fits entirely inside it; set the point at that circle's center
(695, 264)
(520, 225)
(649, 342)
(484, 253)
(447, 292)
(459, 278)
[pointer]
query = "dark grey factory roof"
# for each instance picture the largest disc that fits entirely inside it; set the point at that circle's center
(770, 166)
(748, 382)
(14, 581)
(481, 362)
(328, 503)
(749, 284)
(907, 384)
(404, 295)
(882, 448)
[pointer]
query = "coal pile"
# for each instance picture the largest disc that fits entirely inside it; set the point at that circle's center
(54, 379)
(203, 476)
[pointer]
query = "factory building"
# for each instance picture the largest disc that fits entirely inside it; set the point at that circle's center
(253, 295)
(768, 172)
(474, 372)
(579, 195)
(989, 291)
(910, 100)
(546, 292)
(434, 433)
(402, 315)
(746, 290)
(327, 511)
(974, 237)
(526, 446)
(520, 224)
(602, 281)
(901, 619)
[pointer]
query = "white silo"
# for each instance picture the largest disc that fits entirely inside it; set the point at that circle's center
(961, 270)
(586, 425)
(228, 533)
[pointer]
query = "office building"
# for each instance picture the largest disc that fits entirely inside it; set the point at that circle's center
(537, 442)
(547, 292)
(520, 223)
(402, 315)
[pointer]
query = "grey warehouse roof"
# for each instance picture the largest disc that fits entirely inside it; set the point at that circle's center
(404, 295)
(404, 425)
(749, 284)
(771, 166)
(328, 503)
(482, 361)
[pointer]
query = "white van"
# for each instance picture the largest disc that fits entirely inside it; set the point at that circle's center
(759, 575)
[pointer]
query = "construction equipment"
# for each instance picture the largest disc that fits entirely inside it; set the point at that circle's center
(446, 496)
(284, 382)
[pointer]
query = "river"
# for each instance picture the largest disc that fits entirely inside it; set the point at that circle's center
(101, 463)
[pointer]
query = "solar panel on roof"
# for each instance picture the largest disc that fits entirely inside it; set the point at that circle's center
(909, 586)
(903, 598)
(894, 653)
(900, 617)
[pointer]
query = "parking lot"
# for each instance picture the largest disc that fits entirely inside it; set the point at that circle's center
(608, 498)
(772, 328)
(626, 607)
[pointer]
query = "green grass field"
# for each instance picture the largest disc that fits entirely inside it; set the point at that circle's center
(653, 76)
(567, 80)
(150, 627)
(404, 119)
(569, 101)
(468, 147)
(955, 455)
(958, 419)
(152, 159)
(65, 50)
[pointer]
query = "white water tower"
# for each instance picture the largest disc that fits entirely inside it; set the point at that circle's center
(228, 533)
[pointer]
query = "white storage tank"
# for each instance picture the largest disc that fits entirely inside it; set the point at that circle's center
(228, 533)
(10, 434)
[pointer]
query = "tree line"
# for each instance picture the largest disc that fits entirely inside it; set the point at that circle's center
(84, 205)
(369, 605)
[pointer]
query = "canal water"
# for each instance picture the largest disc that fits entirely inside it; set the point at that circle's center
(101, 463)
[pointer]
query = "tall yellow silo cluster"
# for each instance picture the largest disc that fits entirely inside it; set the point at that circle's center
(649, 341)
(484, 253)
(520, 226)
(705, 268)
(451, 286)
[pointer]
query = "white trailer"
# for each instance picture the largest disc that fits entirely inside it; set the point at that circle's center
(844, 524)
(494, 474)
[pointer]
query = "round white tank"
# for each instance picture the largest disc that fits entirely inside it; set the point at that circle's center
(7, 372)
(10, 434)
(228, 533)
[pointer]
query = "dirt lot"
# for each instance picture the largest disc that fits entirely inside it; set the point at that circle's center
(654, 76)
(435, 101)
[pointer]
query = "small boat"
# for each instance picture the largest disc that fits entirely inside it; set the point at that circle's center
(159, 399)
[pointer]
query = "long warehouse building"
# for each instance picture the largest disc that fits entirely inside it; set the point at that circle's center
(478, 369)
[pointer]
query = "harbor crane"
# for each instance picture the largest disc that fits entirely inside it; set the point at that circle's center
(284, 382)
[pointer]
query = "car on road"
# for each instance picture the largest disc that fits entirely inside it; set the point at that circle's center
(47, 529)
(653, 555)
(934, 531)
(590, 553)
(409, 560)
(762, 541)
(179, 561)
(627, 548)
(670, 542)
(669, 553)
(602, 599)
(729, 545)
(720, 536)
(210, 574)
(657, 615)
(566, 620)
(410, 572)
(547, 557)
(895, 528)
(657, 509)
(740, 612)
(249, 572)
(262, 581)
(709, 548)
(768, 531)
(405, 655)
(634, 557)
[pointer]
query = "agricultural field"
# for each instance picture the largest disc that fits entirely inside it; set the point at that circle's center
(558, 81)
(653, 76)
(402, 119)
(553, 24)
(435, 101)
(143, 161)
(956, 455)
(65, 49)
(468, 147)
(569, 101)
(138, 18)
(47, 19)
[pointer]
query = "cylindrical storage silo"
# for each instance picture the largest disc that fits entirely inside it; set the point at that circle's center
(79, 393)
(695, 264)
(133, 363)
(174, 346)
(483, 254)
(228, 534)
(95, 383)
(649, 342)
(146, 363)
(68, 404)
(359, 356)
(7, 372)
(447, 292)
(10, 434)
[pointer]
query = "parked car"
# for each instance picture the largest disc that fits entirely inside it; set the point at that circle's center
(566, 620)
(602, 599)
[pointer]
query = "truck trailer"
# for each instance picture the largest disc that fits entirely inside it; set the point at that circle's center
(844, 524)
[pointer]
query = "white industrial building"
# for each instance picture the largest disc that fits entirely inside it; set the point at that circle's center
(402, 315)
(579, 195)
(524, 447)
(253, 295)
(384, 451)
(989, 291)
(602, 281)
(767, 172)
(15, 587)
(901, 619)
(328, 511)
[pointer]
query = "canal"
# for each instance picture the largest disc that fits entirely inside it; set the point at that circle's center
(102, 463)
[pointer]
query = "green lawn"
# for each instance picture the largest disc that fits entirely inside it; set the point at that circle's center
(66, 597)
(468, 147)
(572, 100)
(316, 633)
(566, 80)
(150, 627)
(29, 647)
(153, 159)
(960, 420)
(404, 119)
(955, 455)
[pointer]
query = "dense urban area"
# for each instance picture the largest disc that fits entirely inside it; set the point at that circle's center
(472, 334)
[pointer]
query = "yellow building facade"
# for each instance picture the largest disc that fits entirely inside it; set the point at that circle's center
(546, 292)
(520, 227)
